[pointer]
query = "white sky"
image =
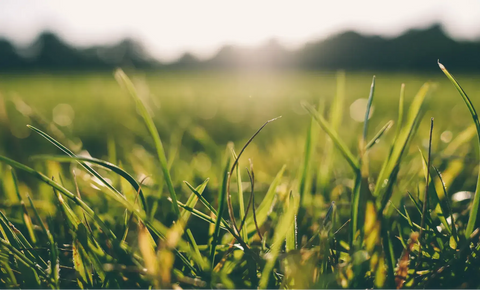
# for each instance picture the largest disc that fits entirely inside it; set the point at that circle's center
(169, 28)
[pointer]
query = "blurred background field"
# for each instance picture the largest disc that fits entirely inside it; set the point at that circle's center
(91, 109)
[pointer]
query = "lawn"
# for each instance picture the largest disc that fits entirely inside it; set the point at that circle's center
(336, 205)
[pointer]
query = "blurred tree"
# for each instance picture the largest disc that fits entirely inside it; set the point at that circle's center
(414, 50)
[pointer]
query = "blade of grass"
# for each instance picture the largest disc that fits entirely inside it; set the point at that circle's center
(243, 231)
(440, 209)
(102, 163)
(335, 119)
(221, 207)
(123, 79)
(27, 221)
(448, 206)
(379, 134)
(281, 230)
(347, 154)
(230, 173)
(361, 174)
(53, 248)
(305, 170)
(117, 195)
(263, 209)
(185, 216)
(391, 166)
(476, 200)
(205, 203)
(425, 200)
(367, 112)
(400, 111)
(24, 260)
(192, 201)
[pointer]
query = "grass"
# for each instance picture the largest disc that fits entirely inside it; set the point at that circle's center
(321, 198)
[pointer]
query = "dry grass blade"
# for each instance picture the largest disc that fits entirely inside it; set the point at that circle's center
(404, 261)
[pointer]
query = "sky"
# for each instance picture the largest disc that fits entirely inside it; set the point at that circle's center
(170, 28)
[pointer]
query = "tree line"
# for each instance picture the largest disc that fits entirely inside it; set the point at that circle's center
(413, 50)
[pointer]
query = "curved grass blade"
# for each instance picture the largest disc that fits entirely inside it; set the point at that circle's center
(263, 209)
(117, 195)
(241, 203)
(123, 79)
(102, 163)
(333, 135)
(476, 200)
(379, 135)
(230, 173)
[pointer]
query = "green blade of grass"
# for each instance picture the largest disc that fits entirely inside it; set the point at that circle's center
(16, 238)
(281, 230)
(192, 201)
(27, 221)
(114, 193)
(401, 100)
(25, 261)
(391, 166)
(221, 208)
(367, 112)
(476, 200)
(335, 118)
(446, 201)
(305, 170)
(361, 175)
(263, 209)
(123, 79)
(51, 242)
(440, 208)
(352, 161)
(185, 216)
(241, 203)
(379, 135)
(230, 173)
(102, 163)
(291, 239)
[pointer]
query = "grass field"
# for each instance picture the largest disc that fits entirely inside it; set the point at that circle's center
(328, 213)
